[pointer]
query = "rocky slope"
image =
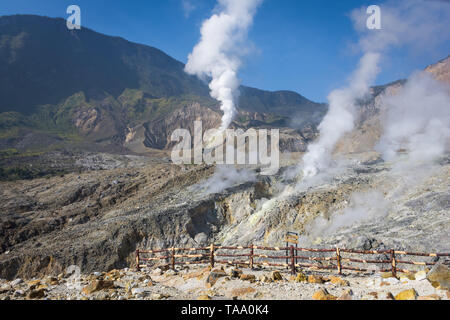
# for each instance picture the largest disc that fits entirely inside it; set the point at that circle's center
(200, 283)
(97, 219)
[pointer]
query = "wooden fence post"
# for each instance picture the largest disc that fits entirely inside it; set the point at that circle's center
(137, 260)
(287, 253)
(393, 263)
(338, 258)
(173, 258)
(292, 261)
(211, 257)
(251, 257)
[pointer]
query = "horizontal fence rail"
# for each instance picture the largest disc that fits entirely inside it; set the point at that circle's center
(319, 259)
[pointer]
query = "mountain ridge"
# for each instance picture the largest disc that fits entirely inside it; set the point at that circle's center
(16, 28)
(84, 86)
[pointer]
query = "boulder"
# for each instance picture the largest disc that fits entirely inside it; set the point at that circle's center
(339, 282)
(315, 279)
(98, 285)
(36, 294)
(214, 276)
(276, 276)
(301, 277)
(323, 294)
(236, 273)
(200, 274)
(248, 277)
(439, 277)
(410, 294)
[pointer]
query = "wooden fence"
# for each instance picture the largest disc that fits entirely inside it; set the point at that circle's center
(318, 259)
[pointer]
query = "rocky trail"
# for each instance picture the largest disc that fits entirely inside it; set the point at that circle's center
(229, 283)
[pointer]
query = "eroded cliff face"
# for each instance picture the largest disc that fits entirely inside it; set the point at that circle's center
(158, 133)
(96, 220)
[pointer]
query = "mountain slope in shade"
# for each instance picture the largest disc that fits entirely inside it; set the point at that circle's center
(40, 57)
(283, 103)
(42, 62)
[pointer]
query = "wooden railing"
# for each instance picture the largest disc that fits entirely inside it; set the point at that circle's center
(326, 259)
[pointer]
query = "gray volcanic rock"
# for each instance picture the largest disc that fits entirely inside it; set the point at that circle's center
(96, 220)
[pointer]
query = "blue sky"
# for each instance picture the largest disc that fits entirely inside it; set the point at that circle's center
(300, 45)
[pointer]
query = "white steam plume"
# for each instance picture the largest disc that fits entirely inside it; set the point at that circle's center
(225, 177)
(340, 118)
(218, 54)
(417, 121)
(364, 206)
(417, 23)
